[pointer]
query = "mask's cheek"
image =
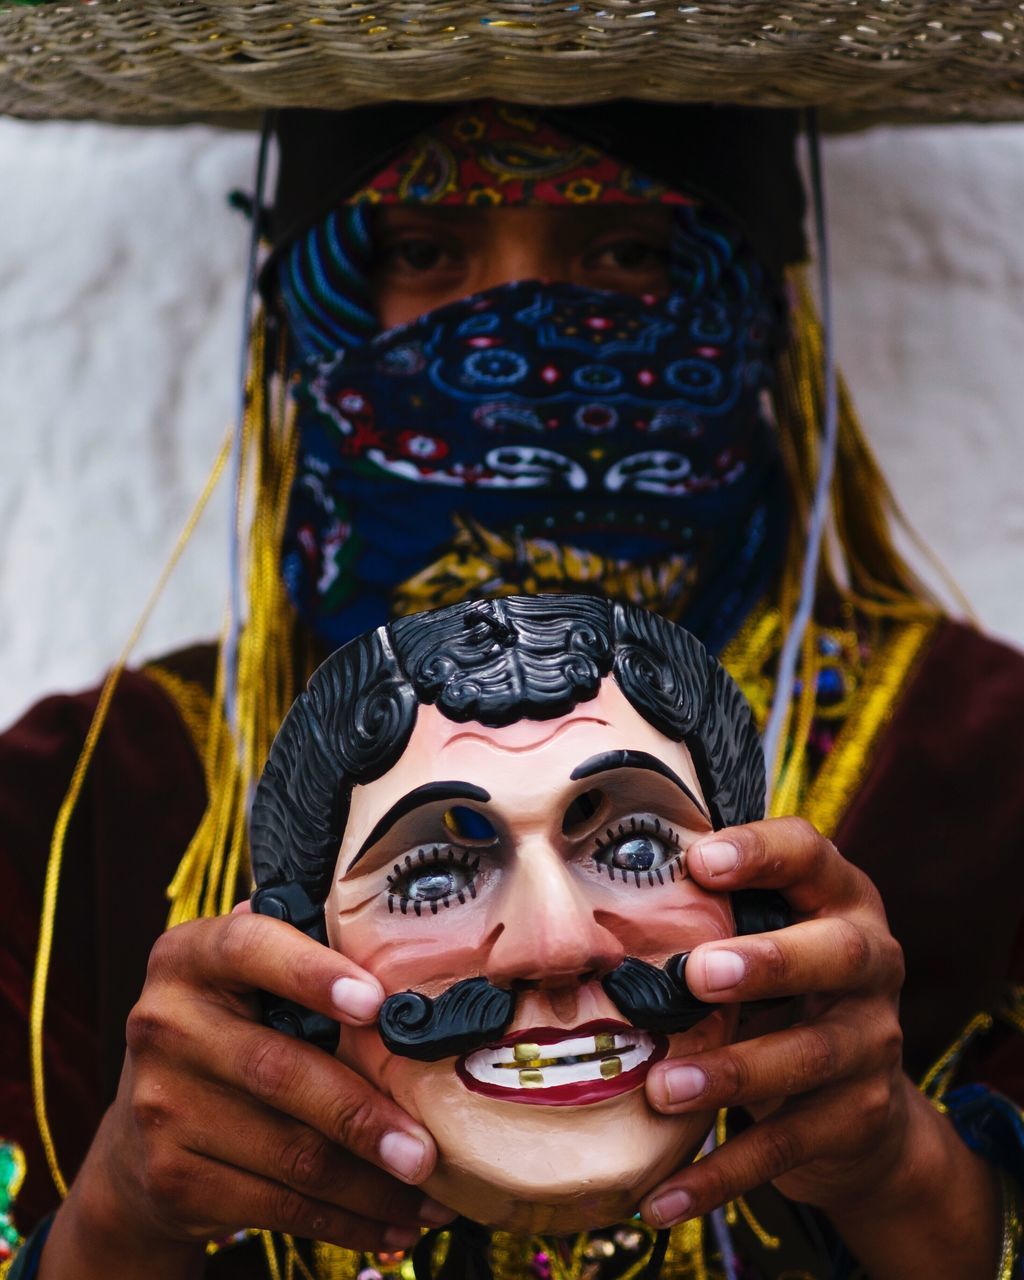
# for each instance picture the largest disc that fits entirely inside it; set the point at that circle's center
(362, 1049)
(421, 952)
(655, 923)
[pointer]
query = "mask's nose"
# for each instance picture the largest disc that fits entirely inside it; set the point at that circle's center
(550, 936)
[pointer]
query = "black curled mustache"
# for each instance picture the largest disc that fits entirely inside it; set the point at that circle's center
(474, 1013)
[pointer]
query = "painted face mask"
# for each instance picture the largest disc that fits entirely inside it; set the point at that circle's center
(489, 807)
(539, 437)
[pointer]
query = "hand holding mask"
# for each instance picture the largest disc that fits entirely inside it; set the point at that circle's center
(493, 803)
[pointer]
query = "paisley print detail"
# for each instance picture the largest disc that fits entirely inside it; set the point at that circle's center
(599, 448)
(485, 154)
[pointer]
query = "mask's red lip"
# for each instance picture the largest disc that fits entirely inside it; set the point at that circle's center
(551, 1035)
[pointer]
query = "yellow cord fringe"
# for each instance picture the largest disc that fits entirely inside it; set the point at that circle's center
(861, 568)
(207, 880)
(44, 948)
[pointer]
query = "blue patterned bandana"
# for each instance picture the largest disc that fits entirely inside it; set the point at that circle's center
(536, 437)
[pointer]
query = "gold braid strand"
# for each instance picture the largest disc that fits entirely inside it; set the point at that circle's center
(937, 1078)
(685, 1258)
(191, 701)
(1012, 1228)
(1010, 1008)
(44, 949)
(293, 1261)
(876, 579)
(270, 1254)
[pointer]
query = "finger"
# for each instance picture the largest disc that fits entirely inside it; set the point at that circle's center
(825, 956)
(206, 1042)
(787, 854)
(788, 1138)
(240, 1132)
(780, 1065)
(214, 1193)
(244, 952)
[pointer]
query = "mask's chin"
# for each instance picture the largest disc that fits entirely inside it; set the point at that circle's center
(557, 1167)
(568, 1170)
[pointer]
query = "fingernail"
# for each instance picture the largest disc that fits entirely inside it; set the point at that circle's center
(723, 969)
(403, 1154)
(681, 1083)
(435, 1214)
(671, 1207)
(356, 999)
(401, 1237)
(719, 857)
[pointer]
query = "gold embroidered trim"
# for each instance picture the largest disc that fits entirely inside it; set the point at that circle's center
(872, 708)
(865, 712)
(512, 1258)
(191, 701)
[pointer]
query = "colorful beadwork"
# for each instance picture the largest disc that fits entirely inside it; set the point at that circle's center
(12, 1175)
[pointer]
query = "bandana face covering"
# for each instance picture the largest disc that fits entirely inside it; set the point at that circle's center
(534, 438)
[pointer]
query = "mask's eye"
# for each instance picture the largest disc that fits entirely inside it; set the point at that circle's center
(642, 848)
(467, 824)
(582, 809)
(432, 877)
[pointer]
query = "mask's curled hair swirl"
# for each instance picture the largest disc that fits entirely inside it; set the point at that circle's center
(500, 661)
(675, 684)
(351, 725)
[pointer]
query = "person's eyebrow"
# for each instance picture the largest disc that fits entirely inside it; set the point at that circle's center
(429, 793)
(607, 761)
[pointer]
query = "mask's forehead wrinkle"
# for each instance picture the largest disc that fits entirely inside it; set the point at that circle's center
(507, 741)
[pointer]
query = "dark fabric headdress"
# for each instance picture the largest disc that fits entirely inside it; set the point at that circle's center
(537, 437)
(741, 161)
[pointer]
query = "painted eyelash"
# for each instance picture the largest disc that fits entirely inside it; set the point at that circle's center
(431, 856)
(671, 871)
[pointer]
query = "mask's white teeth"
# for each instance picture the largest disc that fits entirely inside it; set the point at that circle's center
(528, 1065)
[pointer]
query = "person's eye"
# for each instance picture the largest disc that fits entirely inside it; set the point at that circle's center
(628, 254)
(432, 877)
(413, 254)
(643, 850)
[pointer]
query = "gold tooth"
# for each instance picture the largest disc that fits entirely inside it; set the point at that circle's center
(526, 1052)
(610, 1067)
(531, 1079)
(604, 1043)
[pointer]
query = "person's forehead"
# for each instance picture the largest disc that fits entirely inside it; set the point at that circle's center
(593, 217)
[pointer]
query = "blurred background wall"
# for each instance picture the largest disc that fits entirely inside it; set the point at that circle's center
(120, 303)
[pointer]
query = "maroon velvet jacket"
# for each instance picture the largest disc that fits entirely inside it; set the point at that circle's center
(937, 822)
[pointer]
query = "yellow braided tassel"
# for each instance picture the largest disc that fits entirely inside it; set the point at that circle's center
(207, 880)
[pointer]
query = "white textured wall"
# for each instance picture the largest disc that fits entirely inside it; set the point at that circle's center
(120, 291)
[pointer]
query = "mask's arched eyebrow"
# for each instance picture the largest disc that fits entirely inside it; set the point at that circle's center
(609, 760)
(429, 793)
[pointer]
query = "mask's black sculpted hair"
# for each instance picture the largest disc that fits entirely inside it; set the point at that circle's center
(495, 662)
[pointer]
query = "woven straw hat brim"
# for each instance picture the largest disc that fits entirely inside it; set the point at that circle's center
(160, 60)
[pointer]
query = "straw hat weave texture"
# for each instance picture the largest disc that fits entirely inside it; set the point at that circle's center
(153, 59)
